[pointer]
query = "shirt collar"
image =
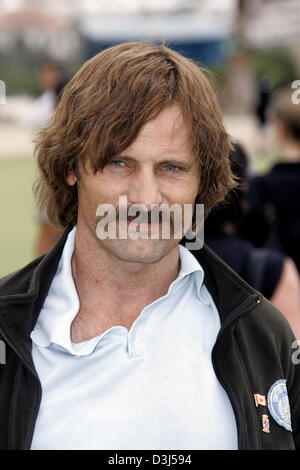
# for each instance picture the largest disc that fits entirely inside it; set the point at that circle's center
(188, 263)
(190, 266)
(62, 302)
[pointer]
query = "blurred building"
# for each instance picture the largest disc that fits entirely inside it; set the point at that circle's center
(262, 23)
(36, 29)
(80, 9)
(272, 22)
(275, 23)
(198, 36)
(214, 32)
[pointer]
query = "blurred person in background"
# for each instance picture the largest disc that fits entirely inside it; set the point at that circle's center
(264, 93)
(270, 271)
(263, 98)
(50, 76)
(273, 215)
(52, 79)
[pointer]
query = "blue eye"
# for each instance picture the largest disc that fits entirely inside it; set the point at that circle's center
(171, 167)
(117, 163)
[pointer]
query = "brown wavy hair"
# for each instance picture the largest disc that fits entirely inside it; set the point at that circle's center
(103, 108)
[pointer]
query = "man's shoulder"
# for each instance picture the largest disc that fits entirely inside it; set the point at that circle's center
(268, 320)
(220, 276)
(27, 279)
(231, 292)
(19, 281)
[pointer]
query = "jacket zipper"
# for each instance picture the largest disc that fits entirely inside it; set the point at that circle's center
(32, 422)
(218, 365)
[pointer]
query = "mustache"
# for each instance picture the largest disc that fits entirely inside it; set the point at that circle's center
(122, 214)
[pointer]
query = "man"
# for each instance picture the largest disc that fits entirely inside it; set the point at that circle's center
(135, 342)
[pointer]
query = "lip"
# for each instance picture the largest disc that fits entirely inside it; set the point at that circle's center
(140, 226)
(132, 222)
(142, 223)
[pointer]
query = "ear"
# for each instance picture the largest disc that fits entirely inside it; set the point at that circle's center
(71, 178)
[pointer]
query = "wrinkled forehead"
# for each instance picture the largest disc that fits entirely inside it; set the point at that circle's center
(168, 132)
(170, 123)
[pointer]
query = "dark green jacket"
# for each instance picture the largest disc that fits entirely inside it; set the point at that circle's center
(253, 351)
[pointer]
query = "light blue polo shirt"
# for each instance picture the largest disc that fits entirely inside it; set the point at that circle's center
(152, 387)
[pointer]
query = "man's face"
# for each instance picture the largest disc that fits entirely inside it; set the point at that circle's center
(157, 168)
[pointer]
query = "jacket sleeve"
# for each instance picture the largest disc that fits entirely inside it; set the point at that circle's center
(279, 355)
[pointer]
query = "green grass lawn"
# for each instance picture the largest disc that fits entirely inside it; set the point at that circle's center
(18, 226)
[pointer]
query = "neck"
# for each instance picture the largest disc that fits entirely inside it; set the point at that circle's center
(100, 276)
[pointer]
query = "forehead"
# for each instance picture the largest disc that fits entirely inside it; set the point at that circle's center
(169, 122)
(169, 131)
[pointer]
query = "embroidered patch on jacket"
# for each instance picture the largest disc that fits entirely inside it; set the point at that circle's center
(278, 404)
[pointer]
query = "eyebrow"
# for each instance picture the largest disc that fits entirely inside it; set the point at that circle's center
(186, 162)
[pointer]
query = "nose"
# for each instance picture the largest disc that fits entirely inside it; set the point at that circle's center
(144, 188)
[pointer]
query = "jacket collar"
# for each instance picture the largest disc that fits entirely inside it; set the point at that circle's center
(23, 293)
(228, 290)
